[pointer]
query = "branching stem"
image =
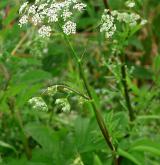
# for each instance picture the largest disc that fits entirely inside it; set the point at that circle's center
(98, 114)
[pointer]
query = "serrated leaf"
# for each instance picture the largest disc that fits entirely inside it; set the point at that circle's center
(43, 135)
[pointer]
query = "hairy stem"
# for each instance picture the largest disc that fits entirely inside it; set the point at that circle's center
(98, 114)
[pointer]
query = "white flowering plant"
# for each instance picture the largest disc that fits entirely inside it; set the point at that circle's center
(79, 82)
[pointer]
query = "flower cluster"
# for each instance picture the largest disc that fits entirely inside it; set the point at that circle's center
(51, 91)
(129, 18)
(45, 13)
(130, 4)
(63, 104)
(38, 103)
(109, 20)
(108, 26)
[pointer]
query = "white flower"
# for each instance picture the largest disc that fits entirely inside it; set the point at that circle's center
(38, 103)
(37, 1)
(23, 20)
(42, 6)
(79, 6)
(32, 9)
(66, 14)
(129, 18)
(46, 13)
(52, 15)
(110, 19)
(135, 16)
(107, 26)
(36, 19)
(114, 13)
(23, 6)
(143, 22)
(130, 4)
(69, 28)
(45, 31)
(58, 5)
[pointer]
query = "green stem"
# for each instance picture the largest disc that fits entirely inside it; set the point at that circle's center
(19, 43)
(98, 114)
(126, 92)
(67, 87)
(106, 4)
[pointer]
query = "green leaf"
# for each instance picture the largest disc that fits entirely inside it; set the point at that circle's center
(43, 135)
(142, 73)
(86, 139)
(148, 117)
(6, 145)
(97, 160)
(150, 149)
(128, 155)
(31, 76)
(146, 145)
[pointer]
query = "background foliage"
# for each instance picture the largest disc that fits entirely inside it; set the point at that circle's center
(29, 64)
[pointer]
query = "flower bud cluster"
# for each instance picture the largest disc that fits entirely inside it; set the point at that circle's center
(63, 104)
(45, 13)
(132, 19)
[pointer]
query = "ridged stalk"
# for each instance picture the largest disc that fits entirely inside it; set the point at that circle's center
(97, 112)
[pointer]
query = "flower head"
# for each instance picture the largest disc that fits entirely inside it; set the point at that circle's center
(64, 104)
(69, 28)
(108, 26)
(23, 20)
(45, 31)
(79, 6)
(109, 21)
(38, 103)
(46, 14)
